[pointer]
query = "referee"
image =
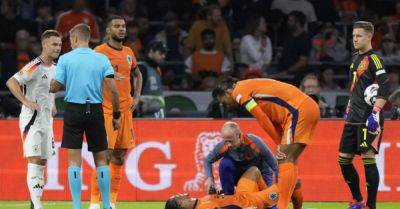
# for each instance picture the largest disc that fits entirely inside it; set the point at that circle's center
(82, 72)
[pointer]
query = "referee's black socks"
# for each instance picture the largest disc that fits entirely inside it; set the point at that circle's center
(372, 178)
(351, 177)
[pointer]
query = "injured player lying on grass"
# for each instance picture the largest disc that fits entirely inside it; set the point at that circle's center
(251, 193)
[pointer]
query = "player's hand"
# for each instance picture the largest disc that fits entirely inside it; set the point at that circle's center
(117, 123)
(32, 105)
(372, 123)
(134, 103)
(280, 155)
(211, 187)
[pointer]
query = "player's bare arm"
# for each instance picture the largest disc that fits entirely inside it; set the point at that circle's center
(55, 86)
(137, 86)
(15, 89)
(110, 83)
(54, 109)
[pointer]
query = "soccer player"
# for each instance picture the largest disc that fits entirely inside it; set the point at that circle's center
(239, 152)
(124, 62)
(287, 115)
(38, 109)
(363, 128)
(83, 72)
(248, 194)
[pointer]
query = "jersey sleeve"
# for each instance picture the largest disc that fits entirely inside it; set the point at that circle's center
(242, 93)
(265, 152)
(60, 71)
(134, 64)
(213, 157)
(26, 74)
(107, 68)
(381, 77)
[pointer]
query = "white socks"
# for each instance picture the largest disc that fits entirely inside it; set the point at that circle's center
(35, 181)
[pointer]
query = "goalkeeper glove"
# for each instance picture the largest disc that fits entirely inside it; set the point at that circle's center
(372, 123)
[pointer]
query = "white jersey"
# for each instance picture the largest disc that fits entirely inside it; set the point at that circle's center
(35, 80)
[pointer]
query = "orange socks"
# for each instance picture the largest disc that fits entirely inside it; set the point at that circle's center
(297, 197)
(286, 183)
(115, 172)
(94, 188)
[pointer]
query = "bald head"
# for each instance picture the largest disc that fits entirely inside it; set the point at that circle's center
(231, 126)
(232, 134)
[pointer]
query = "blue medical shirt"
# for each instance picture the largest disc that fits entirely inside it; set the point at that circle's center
(82, 72)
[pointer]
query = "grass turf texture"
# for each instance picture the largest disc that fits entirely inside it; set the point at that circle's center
(160, 205)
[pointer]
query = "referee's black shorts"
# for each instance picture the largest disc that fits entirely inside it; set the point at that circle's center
(77, 122)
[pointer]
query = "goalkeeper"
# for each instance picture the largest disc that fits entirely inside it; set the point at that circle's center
(364, 123)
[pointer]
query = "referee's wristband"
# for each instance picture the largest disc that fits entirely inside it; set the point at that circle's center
(116, 115)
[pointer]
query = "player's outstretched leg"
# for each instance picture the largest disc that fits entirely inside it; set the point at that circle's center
(352, 179)
(372, 178)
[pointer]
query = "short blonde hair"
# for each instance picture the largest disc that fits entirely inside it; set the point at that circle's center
(367, 26)
(82, 31)
(50, 33)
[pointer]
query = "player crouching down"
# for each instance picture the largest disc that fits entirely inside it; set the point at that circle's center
(250, 194)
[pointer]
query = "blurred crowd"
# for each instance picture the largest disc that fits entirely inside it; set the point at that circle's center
(290, 40)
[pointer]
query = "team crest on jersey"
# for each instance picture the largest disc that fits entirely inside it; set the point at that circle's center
(129, 59)
(363, 66)
(273, 196)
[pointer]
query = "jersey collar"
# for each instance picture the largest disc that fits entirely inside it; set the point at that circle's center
(115, 48)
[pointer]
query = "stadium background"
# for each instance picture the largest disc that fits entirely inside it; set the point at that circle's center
(167, 147)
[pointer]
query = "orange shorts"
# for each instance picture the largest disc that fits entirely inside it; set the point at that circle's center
(302, 129)
(248, 191)
(123, 138)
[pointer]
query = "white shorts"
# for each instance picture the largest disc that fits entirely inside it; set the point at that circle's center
(38, 142)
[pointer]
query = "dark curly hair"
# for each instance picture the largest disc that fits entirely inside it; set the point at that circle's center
(172, 203)
(223, 85)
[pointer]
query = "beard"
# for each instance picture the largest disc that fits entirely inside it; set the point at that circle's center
(118, 39)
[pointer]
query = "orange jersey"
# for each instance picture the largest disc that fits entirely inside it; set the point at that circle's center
(278, 101)
(257, 199)
(123, 61)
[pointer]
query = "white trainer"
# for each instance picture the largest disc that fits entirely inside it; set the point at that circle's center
(113, 206)
(94, 206)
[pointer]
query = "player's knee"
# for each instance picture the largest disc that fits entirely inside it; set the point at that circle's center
(35, 160)
(368, 161)
(117, 160)
(226, 165)
(298, 184)
(345, 160)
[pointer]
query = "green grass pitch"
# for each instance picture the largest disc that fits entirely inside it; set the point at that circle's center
(159, 205)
